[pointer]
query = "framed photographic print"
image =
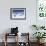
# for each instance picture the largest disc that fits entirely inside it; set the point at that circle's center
(41, 12)
(18, 13)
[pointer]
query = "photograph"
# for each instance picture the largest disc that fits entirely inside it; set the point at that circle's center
(18, 13)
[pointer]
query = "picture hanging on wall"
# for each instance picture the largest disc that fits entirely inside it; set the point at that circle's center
(18, 13)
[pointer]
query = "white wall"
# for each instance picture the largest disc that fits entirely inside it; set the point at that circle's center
(24, 25)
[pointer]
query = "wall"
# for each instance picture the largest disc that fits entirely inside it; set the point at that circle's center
(24, 25)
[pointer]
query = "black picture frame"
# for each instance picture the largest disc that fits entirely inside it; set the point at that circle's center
(17, 13)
